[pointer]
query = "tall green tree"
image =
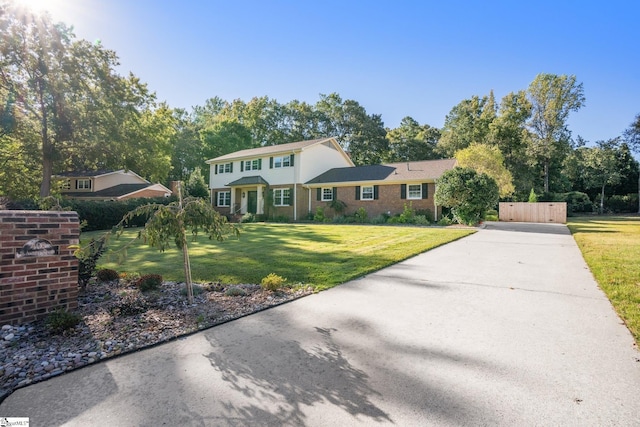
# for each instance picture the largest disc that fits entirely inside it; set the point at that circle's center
(360, 134)
(632, 136)
(552, 99)
(66, 90)
(412, 141)
(466, 123)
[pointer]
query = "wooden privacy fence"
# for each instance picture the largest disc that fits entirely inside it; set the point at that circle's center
(533, 212)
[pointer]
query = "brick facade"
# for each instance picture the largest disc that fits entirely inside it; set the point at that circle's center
(38, 271)
(389, 201)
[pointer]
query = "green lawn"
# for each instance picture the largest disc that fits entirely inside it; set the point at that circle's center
(319, 255)
(611, 248)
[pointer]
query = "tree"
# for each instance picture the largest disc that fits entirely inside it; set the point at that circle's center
(632, 136)
(362, 135)
(412, 141)
(466, 123)
(552, 98)
(170, 223)
(469, 194)
(509, 133)
(66, 92)
(196, 186)
(487, 159)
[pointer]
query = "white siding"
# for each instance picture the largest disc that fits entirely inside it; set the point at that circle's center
(114, 179)
(319, 159)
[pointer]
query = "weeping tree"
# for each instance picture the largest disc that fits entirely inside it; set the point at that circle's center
(170, 222)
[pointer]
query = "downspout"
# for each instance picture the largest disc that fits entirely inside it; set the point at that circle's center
(435, 206)
(296, 169)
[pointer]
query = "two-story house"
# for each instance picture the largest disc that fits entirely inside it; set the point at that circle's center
(240, 182)
(295, 179)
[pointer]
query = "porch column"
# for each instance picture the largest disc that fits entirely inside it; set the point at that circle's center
(260, 200)
(232, 201)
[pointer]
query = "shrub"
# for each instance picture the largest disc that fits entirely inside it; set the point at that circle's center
(61, 321)
(380, 219)
(107, 275)
(426, 213)
(281, 218)
(319, 216)
(129, 305)
(446, 221)
(361, 215)
(626, 203)
(197, 290)
(235, 291)
(421, 220)
(248, 217)
(533, 198)
(272, 282)
(149, 282)
(577, 202)
(88, 258)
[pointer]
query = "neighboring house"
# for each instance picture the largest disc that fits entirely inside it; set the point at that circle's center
(108, 185)
(297, 178)
(380, 189)
(241, 181)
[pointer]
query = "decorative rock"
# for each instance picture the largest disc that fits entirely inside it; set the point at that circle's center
(92, 354)
(8, 337)
(7, 327)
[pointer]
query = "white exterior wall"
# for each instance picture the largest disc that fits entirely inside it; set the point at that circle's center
(319, 159)
(308, 163)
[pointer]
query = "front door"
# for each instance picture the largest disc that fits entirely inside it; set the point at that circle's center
(252, 202)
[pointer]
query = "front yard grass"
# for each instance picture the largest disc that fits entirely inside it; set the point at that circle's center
(611, 248)
(321, 256)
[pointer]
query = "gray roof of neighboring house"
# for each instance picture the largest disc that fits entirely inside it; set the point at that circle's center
(115, 191)
(428, 170)
(270, 149)
(248, 180)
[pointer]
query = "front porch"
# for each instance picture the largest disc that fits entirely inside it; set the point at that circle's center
(248, 195)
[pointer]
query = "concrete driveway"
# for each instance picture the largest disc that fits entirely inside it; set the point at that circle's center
(505, 327)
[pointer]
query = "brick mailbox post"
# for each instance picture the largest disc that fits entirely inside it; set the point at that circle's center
(38, 271)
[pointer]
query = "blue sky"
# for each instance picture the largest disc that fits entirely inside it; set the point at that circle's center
(396, 58)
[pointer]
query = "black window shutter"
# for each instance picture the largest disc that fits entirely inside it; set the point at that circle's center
(270, 162)
(319, 194)
(291, 161)
(242, 166)
(375, 192)
(231, 168)
(357, 192)
(291, 190)
(273, 200)
(335, 193)
(215, 170)
(424, 190)
(215, 198)
(259, 164)
(76, 184)
(403, 191)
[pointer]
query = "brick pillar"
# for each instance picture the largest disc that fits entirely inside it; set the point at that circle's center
(38, 271)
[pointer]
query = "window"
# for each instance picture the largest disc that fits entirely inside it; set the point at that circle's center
(327, 194)
(282, 162)
(65, 184)
(367, 193)
(224, 198)
(415, 191)
(83, 184)
(282, 197)
(225, 168)
(253, 165)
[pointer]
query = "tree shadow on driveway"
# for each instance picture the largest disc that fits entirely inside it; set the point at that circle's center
(288, 378)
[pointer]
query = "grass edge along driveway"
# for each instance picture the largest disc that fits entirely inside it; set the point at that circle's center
(611, 249)
(319, 255)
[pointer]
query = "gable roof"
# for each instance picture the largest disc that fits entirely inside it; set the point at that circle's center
(248, 180)
(115, 191)
(273, 149)
(427, 170)
(97, 174)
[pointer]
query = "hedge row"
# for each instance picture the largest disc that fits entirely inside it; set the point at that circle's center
(98, 215)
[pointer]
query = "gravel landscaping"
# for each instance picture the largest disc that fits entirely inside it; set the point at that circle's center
(117, 318)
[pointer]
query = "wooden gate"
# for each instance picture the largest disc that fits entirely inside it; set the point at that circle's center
(533, 212)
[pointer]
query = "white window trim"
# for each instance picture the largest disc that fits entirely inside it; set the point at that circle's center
(222, 198)
(282, 162)
(81, 184)
(224, 168)
(409, 196)
(362, 192)
(279, 200)
(249, 165)
(330, 191)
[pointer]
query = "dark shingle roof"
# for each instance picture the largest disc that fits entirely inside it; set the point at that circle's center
(426, 170)
(85, 174)
(248, 180)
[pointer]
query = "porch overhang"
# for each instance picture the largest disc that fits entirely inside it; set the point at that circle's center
(248, 180)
